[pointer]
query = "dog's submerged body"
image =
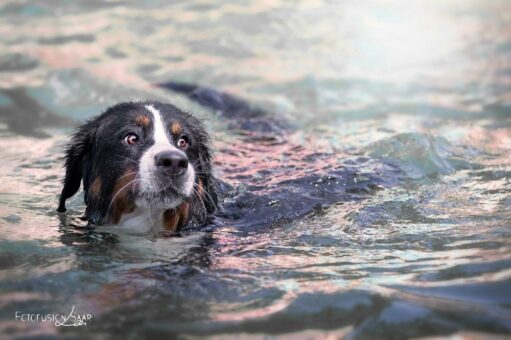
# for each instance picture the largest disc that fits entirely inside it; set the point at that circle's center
(143, 165)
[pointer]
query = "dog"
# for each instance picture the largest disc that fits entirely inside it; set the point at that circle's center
(143, 165)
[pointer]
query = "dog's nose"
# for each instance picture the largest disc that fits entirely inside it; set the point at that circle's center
(172, 162)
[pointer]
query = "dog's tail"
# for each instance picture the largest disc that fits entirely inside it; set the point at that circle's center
(243, 115)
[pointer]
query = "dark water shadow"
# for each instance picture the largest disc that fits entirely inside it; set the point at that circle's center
(26, 116)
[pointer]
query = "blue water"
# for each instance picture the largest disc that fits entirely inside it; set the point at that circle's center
(381, 211)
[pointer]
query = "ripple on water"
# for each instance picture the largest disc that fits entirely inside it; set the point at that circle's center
(419, 155)
(384, 214)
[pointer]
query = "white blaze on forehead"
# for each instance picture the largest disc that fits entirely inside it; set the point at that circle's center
(160, 137)
(149, 183)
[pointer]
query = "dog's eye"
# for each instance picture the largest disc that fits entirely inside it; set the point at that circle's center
(183, 142)
(131, 138)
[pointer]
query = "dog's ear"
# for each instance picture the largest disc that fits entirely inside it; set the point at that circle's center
(208, 181)
(209, 197)
(207, 184)
(76, 154)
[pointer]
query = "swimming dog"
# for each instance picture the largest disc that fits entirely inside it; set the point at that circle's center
(143, 165)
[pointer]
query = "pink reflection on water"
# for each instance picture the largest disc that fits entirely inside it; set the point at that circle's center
(267, 162)
(494, 141)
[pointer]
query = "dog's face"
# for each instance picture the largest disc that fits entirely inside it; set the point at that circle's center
(146, 155)
(157, 147)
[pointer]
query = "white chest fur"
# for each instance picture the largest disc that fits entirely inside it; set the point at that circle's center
(142, 220)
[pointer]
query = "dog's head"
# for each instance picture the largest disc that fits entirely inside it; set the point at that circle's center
(148, 155)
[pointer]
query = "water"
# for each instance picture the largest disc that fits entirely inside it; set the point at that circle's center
(381, 208)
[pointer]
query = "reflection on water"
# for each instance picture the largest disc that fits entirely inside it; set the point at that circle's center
(380, 209)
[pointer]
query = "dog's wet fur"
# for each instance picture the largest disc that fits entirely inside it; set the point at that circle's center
(108, 166)
(144, 165)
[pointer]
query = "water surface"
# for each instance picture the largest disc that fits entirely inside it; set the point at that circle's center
(381, 209)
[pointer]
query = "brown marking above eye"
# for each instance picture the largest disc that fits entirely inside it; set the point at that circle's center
(95, 188)
(176, 128)
(142, 120)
